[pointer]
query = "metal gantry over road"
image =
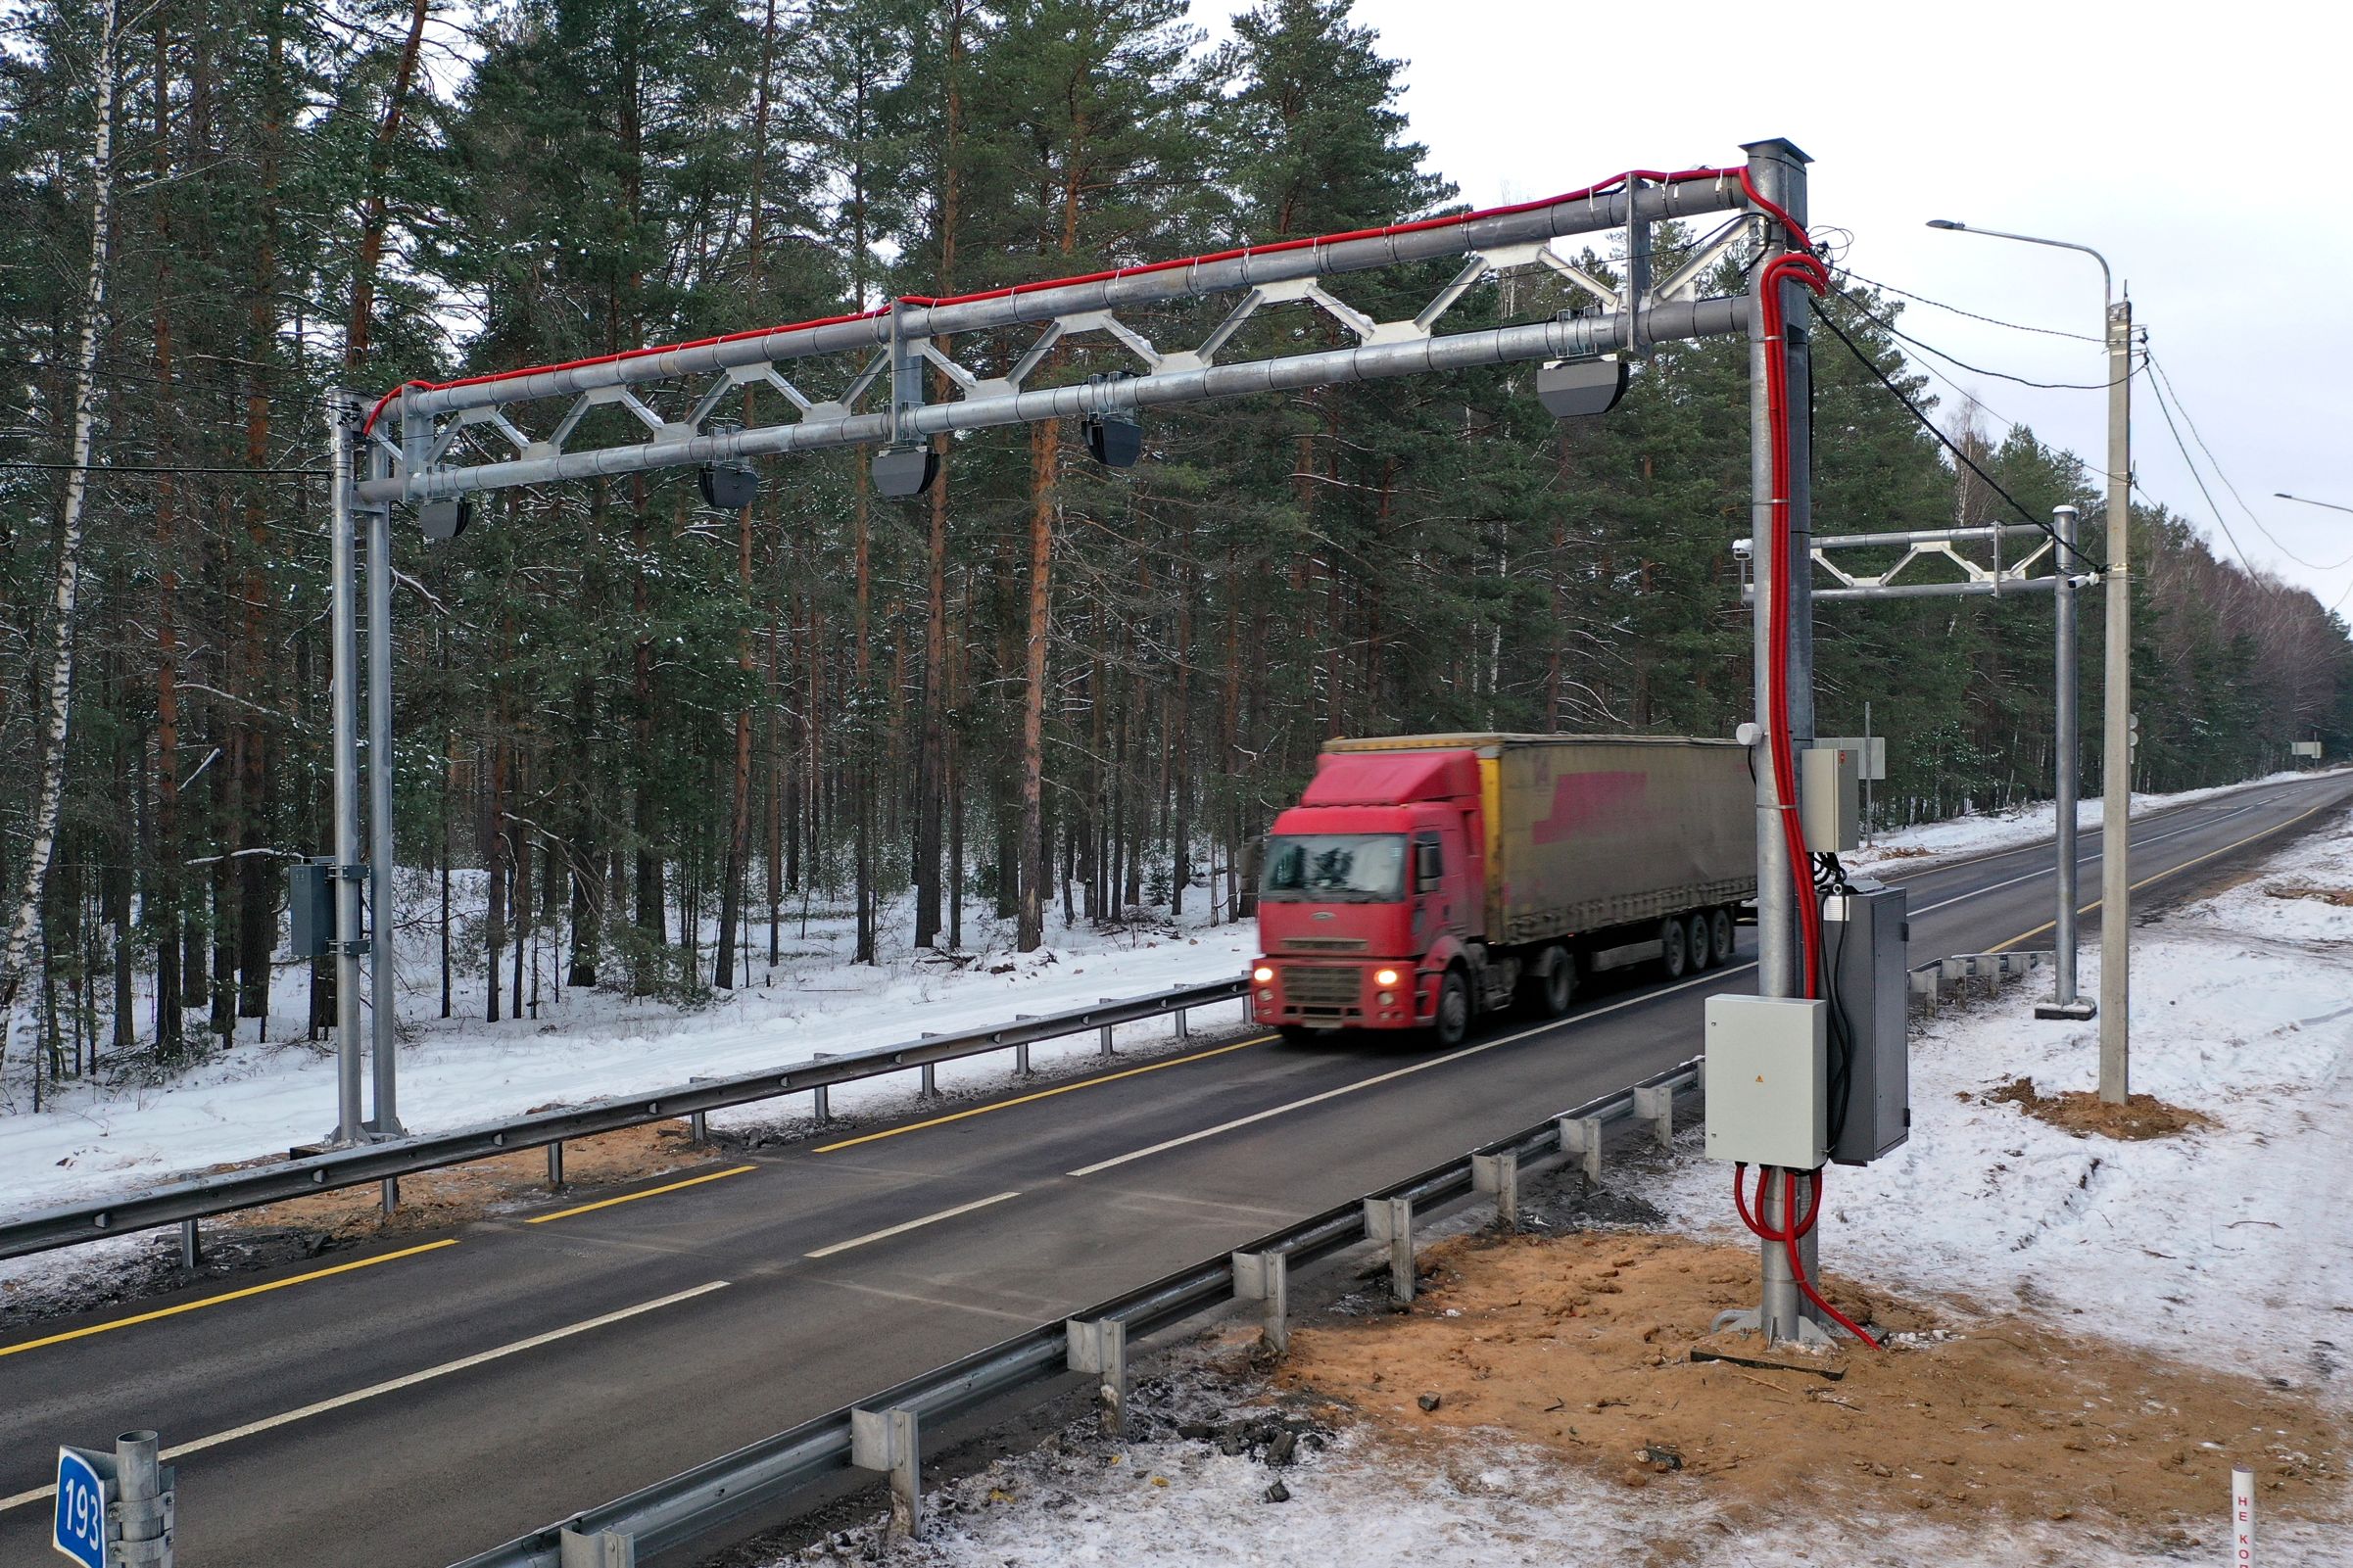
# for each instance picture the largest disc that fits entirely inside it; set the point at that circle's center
(861, 380)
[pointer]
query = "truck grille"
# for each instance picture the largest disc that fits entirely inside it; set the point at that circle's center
(1323, 944)
(1321, 986)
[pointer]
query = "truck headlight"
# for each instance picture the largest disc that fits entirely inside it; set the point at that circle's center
(1384, 976)
(1264, 973)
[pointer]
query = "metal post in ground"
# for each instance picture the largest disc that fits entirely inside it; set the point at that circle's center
(2116, 765)
(2067, 769)
(1777, 169)
(383, 1004)
(345, 691)
(145, 1497)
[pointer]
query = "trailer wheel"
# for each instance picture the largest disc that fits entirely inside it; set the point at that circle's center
(1453, 1021)
(1550, 983)
(1700, 941)
(1674, 947)
(1721, 936)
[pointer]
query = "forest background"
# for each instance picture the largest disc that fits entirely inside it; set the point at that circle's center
(642, 728)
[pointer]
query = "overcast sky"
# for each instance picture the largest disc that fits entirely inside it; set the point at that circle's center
(2196, 148)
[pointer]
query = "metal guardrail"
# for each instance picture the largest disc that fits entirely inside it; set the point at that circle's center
(677, 1512)
(231, 1191)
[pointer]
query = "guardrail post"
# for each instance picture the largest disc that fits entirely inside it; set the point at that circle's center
(928, 1089)
(555, 1163)
(891, 1442)
(1581, 1139)
(392, 1195)
(1655, 1109)
(191, 1245)
(1391, 1220)
(1021, 1060)
(1267, 1277)
(1100, 1346)
(1500, 1175)
(607, 1548)
(1185, 1024)
(822, 1103)
(1106, 1030)
(147, 1500)
(698, 1123)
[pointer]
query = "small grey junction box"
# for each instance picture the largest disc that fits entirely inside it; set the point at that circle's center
(1765, 1080)
(1865, 938)
(1830, 799)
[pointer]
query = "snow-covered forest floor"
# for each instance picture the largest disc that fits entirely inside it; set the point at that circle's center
(2217, 1258)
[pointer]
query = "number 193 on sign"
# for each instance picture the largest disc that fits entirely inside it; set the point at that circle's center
(81, 1499)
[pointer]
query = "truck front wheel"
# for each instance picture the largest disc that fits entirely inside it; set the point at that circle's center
(1453, 1019)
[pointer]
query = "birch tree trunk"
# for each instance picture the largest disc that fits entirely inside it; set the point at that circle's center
(59, 686)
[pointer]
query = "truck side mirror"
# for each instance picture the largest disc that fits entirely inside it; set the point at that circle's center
(1430, 869)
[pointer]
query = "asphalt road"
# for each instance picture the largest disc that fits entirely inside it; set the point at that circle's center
(416, 1403)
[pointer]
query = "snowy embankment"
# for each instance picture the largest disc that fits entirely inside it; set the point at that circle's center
(255, 1100)
(1978, 833)
(2227, 1247)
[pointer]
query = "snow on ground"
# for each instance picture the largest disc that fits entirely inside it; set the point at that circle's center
(2229, 1246)
(259, 1099)
(2208, 1246)
(1976, 832)
(1080, 1503)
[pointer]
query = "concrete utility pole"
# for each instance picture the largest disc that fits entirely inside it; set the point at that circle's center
(2116, 763)
(2066, 769)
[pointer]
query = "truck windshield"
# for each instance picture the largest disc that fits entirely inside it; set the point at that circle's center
(1335, 867)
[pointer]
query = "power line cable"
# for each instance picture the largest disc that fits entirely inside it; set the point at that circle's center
(2163, 409)
(1990, 321)
(2215, 463)
(1960, 457)
(1976, 369)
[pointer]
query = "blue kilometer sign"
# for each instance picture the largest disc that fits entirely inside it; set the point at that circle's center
(82, 1492)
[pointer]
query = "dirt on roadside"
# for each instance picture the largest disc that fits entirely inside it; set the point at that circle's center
(456, 1193)
(1585, 1344)
(2083, 1112)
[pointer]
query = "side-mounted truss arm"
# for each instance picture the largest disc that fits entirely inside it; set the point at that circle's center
(1921, 546)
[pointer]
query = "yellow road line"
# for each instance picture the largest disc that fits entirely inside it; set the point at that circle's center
(633, 1197)
(2242, 843)
(396, 1385)
(1043, 1094)
(225, 1296)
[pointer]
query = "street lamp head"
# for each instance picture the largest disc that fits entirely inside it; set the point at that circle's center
(1945, 222)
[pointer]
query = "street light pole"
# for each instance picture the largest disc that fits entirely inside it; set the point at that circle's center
(2116, 766)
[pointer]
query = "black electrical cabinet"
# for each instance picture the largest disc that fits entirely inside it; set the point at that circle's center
(1866, 938)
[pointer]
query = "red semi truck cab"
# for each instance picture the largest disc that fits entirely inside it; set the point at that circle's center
(1423, 879)
(1366, 889)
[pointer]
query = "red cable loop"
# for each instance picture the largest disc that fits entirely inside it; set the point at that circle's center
(1654, 177)
(1790, 1232)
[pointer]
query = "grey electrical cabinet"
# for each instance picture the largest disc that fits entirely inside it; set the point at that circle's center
(1865, 946)
(1764, 1079)
(311, 907)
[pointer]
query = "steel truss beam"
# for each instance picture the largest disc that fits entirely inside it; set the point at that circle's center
(1920, 545)
(435, 443)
